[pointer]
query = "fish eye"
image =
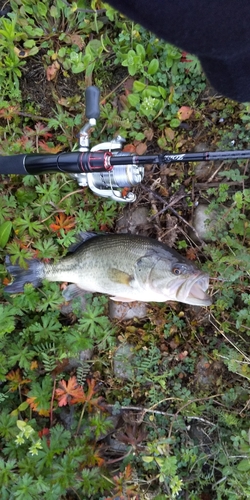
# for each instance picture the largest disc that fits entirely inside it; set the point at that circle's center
(176, 271)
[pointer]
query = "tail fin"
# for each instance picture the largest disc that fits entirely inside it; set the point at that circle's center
(33, 274)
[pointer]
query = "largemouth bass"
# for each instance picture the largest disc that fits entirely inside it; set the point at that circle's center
(125, 267)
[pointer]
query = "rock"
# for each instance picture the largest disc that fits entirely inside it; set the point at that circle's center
(202, 222)
(208, 374)
(133, 221)
(127, 310)
(123, 357)
(204, 169)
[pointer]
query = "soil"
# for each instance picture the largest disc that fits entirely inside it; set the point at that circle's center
(46, 94)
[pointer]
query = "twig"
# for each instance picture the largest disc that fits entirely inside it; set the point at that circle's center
(35, 117)
(216, 172)
(204, 185)
(51, 402)
(114, 90)
(187, 404)
(173, 202)
(120, 458)
(169, 207)
(227, 338)
(70, 194)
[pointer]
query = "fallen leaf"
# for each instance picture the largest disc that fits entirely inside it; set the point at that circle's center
(15, 379)
(141, 148)
(52, 71)
(128, 84)
(77, 40)
(184, 113)
(6, 281)
(129, 148)
(63, 102)
(33, 365)
(125, 192)
(21, 53)
(191, 253)
(182, 355)
(169, 133)
(123, 101)
(149, 134)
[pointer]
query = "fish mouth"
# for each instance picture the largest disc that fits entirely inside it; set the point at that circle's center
(192, 290)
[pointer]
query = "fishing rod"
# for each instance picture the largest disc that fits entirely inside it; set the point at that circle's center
(104, 168)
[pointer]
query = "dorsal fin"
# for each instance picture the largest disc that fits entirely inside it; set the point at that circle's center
(80, 239)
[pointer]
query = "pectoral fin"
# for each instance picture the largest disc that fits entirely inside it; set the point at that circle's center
(118, 276)
(71, 291)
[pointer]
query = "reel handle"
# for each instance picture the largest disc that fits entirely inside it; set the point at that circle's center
(92, 98)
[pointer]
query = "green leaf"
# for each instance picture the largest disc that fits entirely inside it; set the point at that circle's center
(7, 315)
(151, 91)
(174, 123)
(138, 86)
(54, 12)
(42, 393)
(140, 51)
(153, 67)
(29, 43)
(162, 91)
(42, 9)
(23, 406)
(21, 424)
(133, 100)
(148, 459)
(5, 230)
(244, 465)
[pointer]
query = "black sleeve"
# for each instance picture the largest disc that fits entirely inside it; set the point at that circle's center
(217, 31)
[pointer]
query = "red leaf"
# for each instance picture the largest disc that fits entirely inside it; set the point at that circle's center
(67, 391)
(191, 253)
(184, 113)
(129, 148)
(63, 222)
(50, 149)
(52, 71)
